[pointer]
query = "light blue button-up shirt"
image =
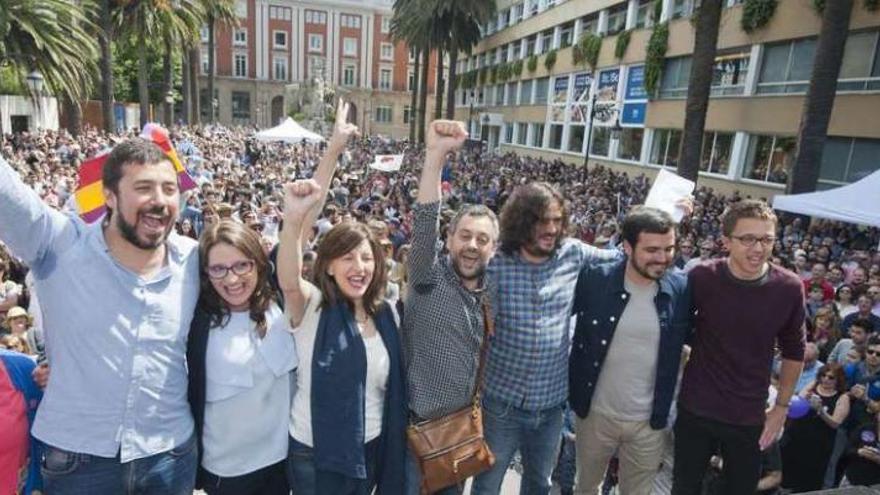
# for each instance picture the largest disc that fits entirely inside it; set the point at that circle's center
(116, 341)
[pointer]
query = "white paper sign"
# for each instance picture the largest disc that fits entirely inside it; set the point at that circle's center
(387, 163)
(667, 190)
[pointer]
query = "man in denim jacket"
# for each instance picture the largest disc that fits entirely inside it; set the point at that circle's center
(632, 320)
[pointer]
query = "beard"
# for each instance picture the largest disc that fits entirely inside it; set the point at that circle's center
(129, 230)
(644, 270)
(475, 274)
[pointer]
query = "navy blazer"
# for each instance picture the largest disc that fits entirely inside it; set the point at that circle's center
(600, 299)
(196, 349)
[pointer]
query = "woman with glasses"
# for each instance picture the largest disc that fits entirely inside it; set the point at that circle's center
(843, 301)
(809, 440)
(240, 356)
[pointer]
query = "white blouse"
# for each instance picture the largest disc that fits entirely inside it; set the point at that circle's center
(247, 394)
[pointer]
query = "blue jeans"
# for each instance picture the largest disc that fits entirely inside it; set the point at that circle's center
(414, 479)
(74, 473)
(536, 434)
(305, 479)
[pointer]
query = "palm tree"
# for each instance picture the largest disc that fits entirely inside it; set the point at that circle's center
(179, 24)
(105, 37)
(820, 97)
(414, 103)
(705, 44)
(438, 87)
(53, 37)
(411, 25)
(461, 20)
(217, 12)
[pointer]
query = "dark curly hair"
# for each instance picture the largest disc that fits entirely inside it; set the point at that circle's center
(247, 241)
(524, 210)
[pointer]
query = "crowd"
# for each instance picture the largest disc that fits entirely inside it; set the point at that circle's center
(371, 293)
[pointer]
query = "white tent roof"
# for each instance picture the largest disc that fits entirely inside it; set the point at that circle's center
(289, 132)
(858, 202)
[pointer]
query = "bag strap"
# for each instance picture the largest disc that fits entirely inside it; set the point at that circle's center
(488, 331)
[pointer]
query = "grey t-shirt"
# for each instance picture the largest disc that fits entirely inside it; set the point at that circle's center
(626, 383)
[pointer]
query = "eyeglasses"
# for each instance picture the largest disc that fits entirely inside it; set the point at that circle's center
(749, 240)
(872, 352)
(829, 376)
(239, 268)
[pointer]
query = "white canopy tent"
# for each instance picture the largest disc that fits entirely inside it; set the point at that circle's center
(858, 202)
(289, 132)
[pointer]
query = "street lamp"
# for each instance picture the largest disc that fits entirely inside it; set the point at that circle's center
(471, 114)
(616, 130)
(590, 127)
(215, 105)
(35, 80)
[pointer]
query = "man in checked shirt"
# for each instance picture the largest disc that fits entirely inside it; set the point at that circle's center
(443, 323)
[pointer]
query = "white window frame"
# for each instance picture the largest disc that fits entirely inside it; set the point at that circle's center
(276, 45)
(275, 60)
(349, 43)
(353, 68)
(320, 46)
(235, 37)
(381, 110)
(390, 48)
(390, 72)
(235, 72)
(386, 24)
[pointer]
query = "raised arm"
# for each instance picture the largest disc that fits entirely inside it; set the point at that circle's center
(27, 225)
(342, 131)
(443, 136)
(301, 198)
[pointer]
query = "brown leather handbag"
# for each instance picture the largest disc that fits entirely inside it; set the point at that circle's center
(451, 449)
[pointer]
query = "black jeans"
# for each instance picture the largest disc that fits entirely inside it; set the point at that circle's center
(697, 439)
(271, 480)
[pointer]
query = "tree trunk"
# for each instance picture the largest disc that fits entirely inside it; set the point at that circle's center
(195, 60)
(820, 97)
(105, 36)
(450, 89)
(703, 61)
(143, 88)
(211, 27)
(414, 102)
(423, 95)
(73, 114)
(167, 84)
(185, 89)
(438, 91)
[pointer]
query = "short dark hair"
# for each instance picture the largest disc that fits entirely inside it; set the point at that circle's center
(476, 211)
(746, 208)
(138, 151)
(335, 244)
(523, 210)
(863, 323)
(645, 219)
(873, 341)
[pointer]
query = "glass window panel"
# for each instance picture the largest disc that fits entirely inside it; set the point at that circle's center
(802, 60)
(721, 156)
(782, 159)
(706, 151)
(600, 141)
(630, 147)
(525, 93)
(672, 151)
(576, 138)
(538, 136)
(857, 55)
(865, 159)
(522, 133)
(775, 62)
(876, 71)
(541, 87)
(658, 146)
(835, 156)
(757, 157)
(556, 136)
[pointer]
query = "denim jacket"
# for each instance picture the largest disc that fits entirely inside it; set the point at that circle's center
(600, 299)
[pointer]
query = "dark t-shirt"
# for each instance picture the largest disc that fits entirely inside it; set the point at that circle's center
(737, 326)
(861, 471)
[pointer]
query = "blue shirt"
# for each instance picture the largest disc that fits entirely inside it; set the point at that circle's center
(116, 341)
(528, 356)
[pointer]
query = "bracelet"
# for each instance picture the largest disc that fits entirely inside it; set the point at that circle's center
(785, 405)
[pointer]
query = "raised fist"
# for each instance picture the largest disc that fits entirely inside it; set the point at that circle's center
(300, 197)
(445, 136)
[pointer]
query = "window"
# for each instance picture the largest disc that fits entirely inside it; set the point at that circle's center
(280, 13)
(576, 138)
(682, 8)
(600, 141)
(385, 79)
(412, 55)
(280, 39)
(203, 34)
(407, 114)
(241, 8)
(508, 133)
(664, 149)
(644, 14)
(204, 63)
(787, 66)
(515, 48)
(410, 80)
(383, 114)
(530, 45)
(590, 23)
(316, 17)
(565, 35)
(240, 65)
(616, 19)
(546, 41)
(499, 95)
(769, 158)
(860, 69)
(846, 160)
(537, 135)
(555, 136)
(522, 133)
(241, 105)
(386, 24)
(350, 21)
(516, 13)
(510, 96)
(386, 51)
(239, 37)
(630, 145)
(525, 93)
(542, 86)
(729, 73)
(316, 43)
(349, 47)
(715, 157)
(676, 75)
(279, 68)
(349, 75)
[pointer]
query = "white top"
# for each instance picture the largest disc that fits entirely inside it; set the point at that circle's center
(376, 381)
(247, 394)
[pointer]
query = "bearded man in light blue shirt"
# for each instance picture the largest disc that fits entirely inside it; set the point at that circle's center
(117, 298)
